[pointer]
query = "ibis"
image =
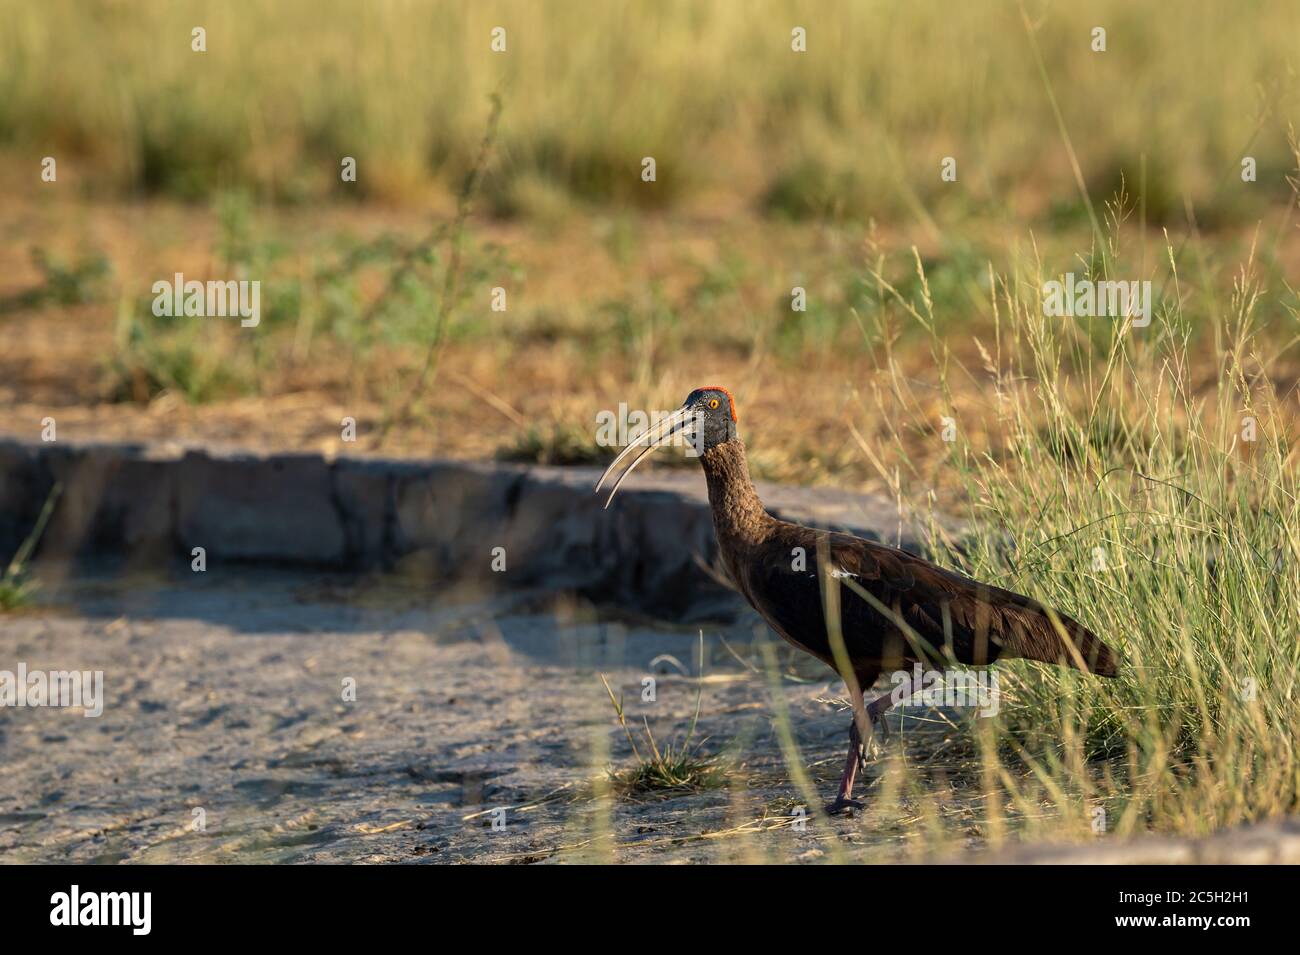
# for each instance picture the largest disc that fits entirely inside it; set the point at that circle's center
(861, 607)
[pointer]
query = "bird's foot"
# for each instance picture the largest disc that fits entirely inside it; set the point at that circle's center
(843, 806)
(871, 749)
(880, 731)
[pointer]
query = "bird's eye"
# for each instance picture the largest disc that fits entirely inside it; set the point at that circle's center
(713, 402)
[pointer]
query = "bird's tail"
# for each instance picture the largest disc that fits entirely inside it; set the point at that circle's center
(1069, 643)
(1098, 657)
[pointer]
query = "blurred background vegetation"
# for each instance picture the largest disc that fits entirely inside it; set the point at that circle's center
(853, 128)
(775, 169)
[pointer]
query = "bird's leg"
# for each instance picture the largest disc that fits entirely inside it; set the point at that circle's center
(882, 704)
(857, 756)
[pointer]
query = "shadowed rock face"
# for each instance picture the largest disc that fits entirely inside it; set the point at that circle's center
(142, 508)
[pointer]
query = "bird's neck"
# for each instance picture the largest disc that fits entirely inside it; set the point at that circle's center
(738, 514)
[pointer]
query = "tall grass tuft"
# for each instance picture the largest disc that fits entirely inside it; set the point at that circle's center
(665, 767)
(1155, 499)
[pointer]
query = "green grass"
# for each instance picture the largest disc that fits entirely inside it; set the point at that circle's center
(15, 592)
(63, 283)
(562, 443)
(664, 768)
(17, 587)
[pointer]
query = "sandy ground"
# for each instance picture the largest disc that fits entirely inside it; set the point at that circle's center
(227, 697)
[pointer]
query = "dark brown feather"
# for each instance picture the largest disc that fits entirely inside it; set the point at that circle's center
(895, 608)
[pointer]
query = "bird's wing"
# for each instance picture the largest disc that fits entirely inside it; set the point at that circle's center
(895, 606)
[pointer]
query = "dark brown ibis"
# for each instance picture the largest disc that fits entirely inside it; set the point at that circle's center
(889, 609)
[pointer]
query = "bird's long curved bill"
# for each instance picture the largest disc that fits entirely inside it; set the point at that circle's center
(653, 438)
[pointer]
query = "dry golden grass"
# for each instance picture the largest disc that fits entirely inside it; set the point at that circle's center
(854, 127)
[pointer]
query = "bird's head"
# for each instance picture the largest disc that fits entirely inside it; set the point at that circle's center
(714, 411)
(706, 419)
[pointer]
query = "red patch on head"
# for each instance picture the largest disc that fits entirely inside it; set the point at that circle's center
(729, 398)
